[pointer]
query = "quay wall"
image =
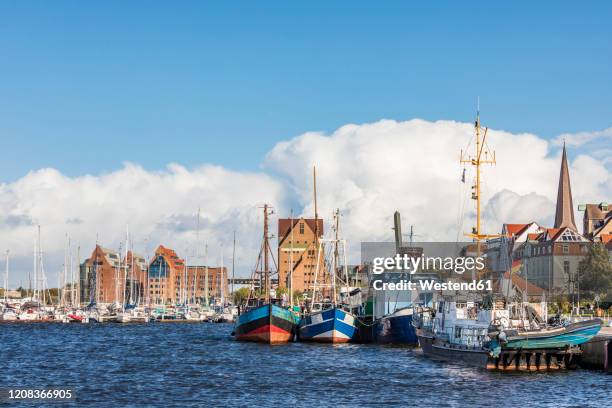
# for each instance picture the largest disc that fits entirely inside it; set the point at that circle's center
(597, 353)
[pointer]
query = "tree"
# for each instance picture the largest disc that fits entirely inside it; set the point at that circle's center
(240, 296)
(595, 271)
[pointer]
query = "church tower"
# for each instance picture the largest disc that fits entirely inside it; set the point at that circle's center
(564, 216)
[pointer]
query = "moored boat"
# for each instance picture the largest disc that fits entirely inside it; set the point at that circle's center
(464, 332)
(396, 328)
(333, 325)
(267, 323)
(262, 318)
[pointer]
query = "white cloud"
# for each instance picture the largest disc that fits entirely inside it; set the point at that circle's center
(368, 171)
(160, 208)
(581, 138)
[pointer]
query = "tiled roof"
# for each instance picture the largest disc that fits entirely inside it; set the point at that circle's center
(170, 256)
(284, 225)
(515, 229)
(595, 211)
(520, 283)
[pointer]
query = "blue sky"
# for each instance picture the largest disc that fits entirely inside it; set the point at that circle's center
(85, 88)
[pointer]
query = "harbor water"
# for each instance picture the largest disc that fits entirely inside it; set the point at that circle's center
(174, 364)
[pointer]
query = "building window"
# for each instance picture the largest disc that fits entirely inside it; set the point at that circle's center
(565, 248)
(302, 228)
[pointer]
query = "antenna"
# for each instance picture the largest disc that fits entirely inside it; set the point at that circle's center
(476, 160)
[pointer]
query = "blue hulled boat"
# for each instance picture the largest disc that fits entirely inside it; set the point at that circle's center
(396, 328)
(333, 325)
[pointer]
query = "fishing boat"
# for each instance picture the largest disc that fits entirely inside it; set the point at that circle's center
(494, 338)
(264, 319)
(396, 328)
(329, 320)
(266, 323)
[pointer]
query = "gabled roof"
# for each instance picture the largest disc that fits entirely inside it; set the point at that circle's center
(515, 229)
(602, 226)
(597, 212)
(170, 256)
(520, 283)
(285, 225)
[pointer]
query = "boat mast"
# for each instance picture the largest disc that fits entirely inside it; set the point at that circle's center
(316, 215)
(233, 263)
(78, 287)
(6, 274)
(335, 260)
(266, 260)
(206, 300)
(221, 280)
(291, 263)
(477, 160)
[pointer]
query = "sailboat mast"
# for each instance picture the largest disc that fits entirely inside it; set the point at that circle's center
(291, 263)
(78, 287)
(266, 260)
(316, 214)
(233, 263)
(335, 260)
(206, 300)
(6, 277)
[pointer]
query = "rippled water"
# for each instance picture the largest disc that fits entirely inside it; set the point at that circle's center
(199, 364)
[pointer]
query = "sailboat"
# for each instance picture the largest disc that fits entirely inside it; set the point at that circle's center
(328, 320)
(264, 319)
(8, 313)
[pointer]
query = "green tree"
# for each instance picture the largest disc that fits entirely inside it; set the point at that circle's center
(240, 296)
(595, 271)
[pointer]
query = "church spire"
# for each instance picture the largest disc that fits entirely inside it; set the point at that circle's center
(564, 216)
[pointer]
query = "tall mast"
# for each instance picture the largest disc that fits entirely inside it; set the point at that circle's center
(335, 260)
(316, 215)
(221, 280)
(78, 287)
(291, 263)
(477, 160)
(6, 274)
(265, 250)
(206, 300)
(233, 262)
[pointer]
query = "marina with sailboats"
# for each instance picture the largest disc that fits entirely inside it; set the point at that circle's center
(309, 292)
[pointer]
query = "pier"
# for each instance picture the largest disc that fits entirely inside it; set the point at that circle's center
(597, 352)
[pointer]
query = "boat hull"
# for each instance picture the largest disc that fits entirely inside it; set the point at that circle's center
(435, 349)
(396, 329)
(266, 324)
(329, 326)
(569, 336)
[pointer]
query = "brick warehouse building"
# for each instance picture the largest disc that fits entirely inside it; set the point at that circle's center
(112, 278)
(297, 237)
(171, 281)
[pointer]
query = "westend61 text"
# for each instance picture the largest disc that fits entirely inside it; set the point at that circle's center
(433, 285)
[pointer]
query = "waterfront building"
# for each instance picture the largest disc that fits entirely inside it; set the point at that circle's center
(136, 277)
(194, 290)
(165, 270)
(597, 220)
(101, 277)
(549, 257)
(297, 244)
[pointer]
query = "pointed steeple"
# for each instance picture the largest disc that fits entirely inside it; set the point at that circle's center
(564, 216)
